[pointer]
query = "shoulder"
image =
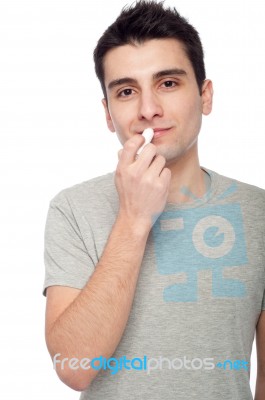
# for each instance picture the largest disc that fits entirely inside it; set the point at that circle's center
(244, 191)
(248, 190)
(251, 198)
(87, 190)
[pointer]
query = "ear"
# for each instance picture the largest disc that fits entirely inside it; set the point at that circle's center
(108, 117)
(207, 96)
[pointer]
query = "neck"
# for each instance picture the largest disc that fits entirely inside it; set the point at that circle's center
(187, 178)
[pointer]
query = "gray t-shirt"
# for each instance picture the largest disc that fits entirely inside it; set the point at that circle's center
(199, 294)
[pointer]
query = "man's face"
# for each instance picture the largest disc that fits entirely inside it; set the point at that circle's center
(153, 85)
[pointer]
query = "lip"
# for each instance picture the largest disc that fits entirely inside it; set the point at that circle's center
(160, 132)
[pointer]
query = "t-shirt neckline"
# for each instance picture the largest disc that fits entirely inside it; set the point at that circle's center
(198, 201)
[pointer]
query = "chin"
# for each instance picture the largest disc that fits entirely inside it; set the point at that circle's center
(170, 155)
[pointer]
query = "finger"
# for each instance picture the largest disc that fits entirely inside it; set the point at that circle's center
(157, 165)
(130, 148)
(145, 158)
(166, 175)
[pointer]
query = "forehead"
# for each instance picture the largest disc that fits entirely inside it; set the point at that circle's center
(145, 59)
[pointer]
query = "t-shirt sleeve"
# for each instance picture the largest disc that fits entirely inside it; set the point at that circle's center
(66, 258)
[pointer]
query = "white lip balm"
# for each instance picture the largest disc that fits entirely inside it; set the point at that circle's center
(148, 135)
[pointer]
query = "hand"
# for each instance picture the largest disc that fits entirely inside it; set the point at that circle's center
(142, 183)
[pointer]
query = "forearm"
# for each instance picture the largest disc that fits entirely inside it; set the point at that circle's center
(94, 322)
(260, 388)
(92, 325)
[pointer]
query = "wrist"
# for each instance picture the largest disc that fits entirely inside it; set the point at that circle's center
(137, 227)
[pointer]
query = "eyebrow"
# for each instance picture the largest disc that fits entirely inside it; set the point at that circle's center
(157, 75)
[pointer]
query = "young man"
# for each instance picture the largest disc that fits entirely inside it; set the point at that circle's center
(158, 265)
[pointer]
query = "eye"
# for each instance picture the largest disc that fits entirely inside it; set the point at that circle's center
(125, 93)
(169, 84)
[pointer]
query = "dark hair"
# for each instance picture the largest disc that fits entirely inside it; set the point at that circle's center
(146, 20)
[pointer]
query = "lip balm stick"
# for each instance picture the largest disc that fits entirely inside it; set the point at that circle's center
(148, 135)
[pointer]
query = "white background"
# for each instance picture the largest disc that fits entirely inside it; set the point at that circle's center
(53, 135)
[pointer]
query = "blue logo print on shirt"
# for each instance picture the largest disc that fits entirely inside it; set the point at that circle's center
(198, 239)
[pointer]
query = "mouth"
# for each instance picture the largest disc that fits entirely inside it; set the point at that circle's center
(160, 132)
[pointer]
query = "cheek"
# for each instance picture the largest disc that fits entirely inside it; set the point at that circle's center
(192, 114)
(115, 120)
(123, 118)
(120, 127)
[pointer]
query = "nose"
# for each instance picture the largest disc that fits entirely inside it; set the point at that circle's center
(149, 106)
